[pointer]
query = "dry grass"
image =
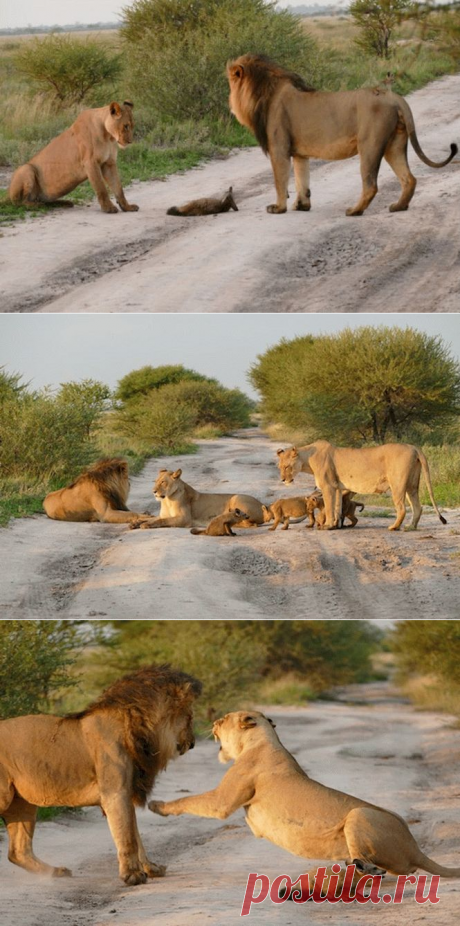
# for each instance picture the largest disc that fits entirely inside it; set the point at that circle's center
(429, 694)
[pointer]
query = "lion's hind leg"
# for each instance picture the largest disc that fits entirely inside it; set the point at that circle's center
(370, 161)
(24, 188)
(20, 824)
(302, 184)
(396, 157)
(377, 838)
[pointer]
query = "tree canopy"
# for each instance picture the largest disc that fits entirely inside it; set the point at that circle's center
(369, 384)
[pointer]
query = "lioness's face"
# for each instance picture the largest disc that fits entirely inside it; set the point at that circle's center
(120, 123)
(289, 465)
(167, 483)
(233, 731)
(268, 514)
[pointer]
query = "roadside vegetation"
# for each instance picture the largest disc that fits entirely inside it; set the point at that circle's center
(367, 386)
(428, 657)
(49, 437)
(169, 57)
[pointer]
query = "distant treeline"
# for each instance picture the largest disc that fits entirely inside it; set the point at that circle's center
(74, 27)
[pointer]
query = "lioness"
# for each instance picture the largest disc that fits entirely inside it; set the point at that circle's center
(222, 525)
(315, 502)
(206, 206)
(86, 151)
(107, 756)
(285, 806)
(99, 494)
(365, 470)
(183, 506)
(292, 120)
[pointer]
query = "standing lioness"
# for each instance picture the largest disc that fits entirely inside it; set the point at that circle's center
(86, 151)
(287, 807)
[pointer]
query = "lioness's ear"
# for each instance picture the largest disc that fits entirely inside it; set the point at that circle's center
(247, 722)
(163, 470)
(279, 452)
(236, 72)
(115, 109)
(271, 721)
(177, 474)
(127, 103)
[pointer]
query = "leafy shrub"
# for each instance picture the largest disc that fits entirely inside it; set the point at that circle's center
(211, 404)
(140, 382)
(67, 69)
(180, 72)
(153, 425)
(35, 658)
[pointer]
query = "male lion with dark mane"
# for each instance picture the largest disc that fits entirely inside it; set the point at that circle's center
(107, 756)
(85, 151)
(99, 494)
(292, 120)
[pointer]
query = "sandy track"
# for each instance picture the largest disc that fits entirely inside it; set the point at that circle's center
(85, 261)
(53, 569)
(371, 744)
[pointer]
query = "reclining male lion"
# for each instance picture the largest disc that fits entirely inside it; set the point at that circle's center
(107, 756)
(285, 806)
(366, 470)
(292, 120)
(85, 151)
(183, 506)
(99, 494)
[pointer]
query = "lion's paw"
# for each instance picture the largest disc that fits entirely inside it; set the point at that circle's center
(276, 210)
(135, 877)
(153, 870)
(62, 873)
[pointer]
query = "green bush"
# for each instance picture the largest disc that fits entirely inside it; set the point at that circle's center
(377, 20)
(153, 425)
(180, 72)
(141, 382)
(67, 69)
(35, 659)
(429, 647)
(211, 404)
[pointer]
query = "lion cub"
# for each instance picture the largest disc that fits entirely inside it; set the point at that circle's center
(223, 524)
(284, 509)
(315, 501)
(206, 206)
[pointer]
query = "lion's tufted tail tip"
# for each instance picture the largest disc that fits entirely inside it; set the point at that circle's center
(453, 149)
(173, 211)
(442, 520)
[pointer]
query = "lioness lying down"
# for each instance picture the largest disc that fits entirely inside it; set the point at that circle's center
(285, 806)
(184, 506)
(86, 151)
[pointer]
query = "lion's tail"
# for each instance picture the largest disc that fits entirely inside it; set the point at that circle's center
(360, 505)
(434, 869)
(195, 530)
(408, 120)
(426, 473)
(173, 211)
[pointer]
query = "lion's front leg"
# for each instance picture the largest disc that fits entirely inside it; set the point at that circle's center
(281, 165)
(145, 524)
(96, 179)
(330, 511)
(110, 174)
(151, 869)
(119, 810)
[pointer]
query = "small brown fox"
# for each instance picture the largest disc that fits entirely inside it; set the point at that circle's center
(223, 524)
(206, 206)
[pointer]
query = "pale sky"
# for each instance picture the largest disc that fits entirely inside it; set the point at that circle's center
(51, 349)
(64, 12)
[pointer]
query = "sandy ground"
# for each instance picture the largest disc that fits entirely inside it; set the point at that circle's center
(85, 261)
(371, 744)
(58, 570)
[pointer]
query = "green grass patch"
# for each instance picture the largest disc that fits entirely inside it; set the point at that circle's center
(20, 505)
(290, 689)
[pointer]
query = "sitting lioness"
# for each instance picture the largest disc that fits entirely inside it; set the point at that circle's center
(315, 502)
(86, 151)
(184, 506)
(222, 525)
(285, 806)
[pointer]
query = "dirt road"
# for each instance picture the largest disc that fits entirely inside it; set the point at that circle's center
(57, 570)
(85, 261)
(371, 744)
